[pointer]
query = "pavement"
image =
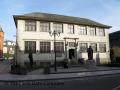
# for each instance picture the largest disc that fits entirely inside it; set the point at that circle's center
(76, 72)
(5, 66)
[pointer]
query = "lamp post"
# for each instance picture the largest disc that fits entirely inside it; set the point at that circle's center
(76, 44)
(55, 33)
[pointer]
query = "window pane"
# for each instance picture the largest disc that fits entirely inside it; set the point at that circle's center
(71, 29)
(44, 26)
(30, 26)
(92, 31)
(30, 45)
(101, 32)
(83, 47)
(58, 27)
(45, 47)
(59, 46)
(94, 47)
(82, 30)
(102, 47)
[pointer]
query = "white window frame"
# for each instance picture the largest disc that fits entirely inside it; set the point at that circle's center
(58, 27)
(101, 31)
(30, 25)
(102, 47)
(45, 47)
(82, 30)
(70, 29)
(94, 47)
(92, 31)
(83, 48)
(44, 26)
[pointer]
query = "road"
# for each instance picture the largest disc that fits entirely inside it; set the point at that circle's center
(109, 82)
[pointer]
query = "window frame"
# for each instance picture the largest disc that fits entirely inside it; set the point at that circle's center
(82, 30)
(27, 46)
(46, 47)
(103, 50)
(83, 50)
(101, 33)
(91, 29)
(29, 26)
(94, 50)
(61, 48)
(54, 27)
(71, 29)
(43, 23)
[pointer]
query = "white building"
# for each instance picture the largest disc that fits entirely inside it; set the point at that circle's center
(33, 33)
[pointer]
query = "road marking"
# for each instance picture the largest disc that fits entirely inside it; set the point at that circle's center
(116, 88)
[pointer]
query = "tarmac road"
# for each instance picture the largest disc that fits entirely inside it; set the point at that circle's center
(106, 82)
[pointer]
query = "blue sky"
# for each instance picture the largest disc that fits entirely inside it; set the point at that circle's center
(103, 11)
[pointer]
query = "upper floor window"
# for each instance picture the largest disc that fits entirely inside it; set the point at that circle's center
(94, 47)
(44, 26)
(30, 45)
(58, 27)
(82, 30)
(83, 47)
(70, 29)
(101, 32)
(45, 47)
(92, 31)
(30, 25)
(102, 47)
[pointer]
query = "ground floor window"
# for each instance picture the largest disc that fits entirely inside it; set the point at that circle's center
(102, 47)
(30, 45)
(94, 47)
(59, 46)
(83, 47)
(45, 47)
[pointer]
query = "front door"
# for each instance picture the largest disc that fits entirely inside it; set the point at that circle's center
(71, 53)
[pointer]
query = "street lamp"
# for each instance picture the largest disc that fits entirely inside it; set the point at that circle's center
(55, 33)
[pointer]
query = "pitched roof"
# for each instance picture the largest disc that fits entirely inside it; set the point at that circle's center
(59, 18)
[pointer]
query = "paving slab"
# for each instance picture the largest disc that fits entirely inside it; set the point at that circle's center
(5, 67)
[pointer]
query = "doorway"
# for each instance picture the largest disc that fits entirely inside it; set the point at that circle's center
(71, 53)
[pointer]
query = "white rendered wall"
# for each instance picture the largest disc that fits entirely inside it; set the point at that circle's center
(38, 36)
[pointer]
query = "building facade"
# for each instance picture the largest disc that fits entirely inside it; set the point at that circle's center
(1, 43)
(74, 36)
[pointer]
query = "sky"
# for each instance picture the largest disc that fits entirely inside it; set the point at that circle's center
(103, 11)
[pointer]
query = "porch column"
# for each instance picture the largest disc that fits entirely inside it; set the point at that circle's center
(66, 43)
(76, 44)
(65, 48)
